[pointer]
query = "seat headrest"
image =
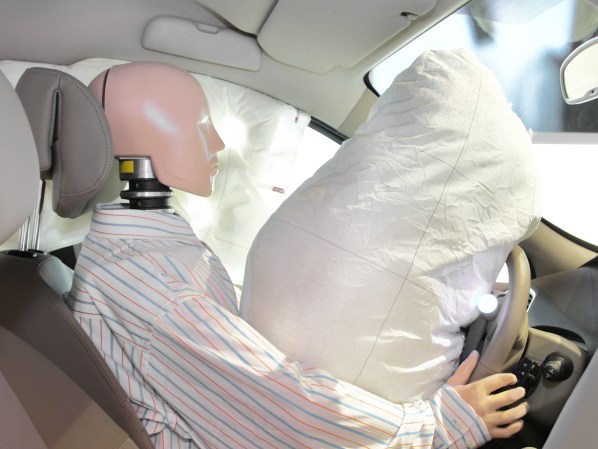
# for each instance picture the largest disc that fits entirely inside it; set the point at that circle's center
(19, 168)
(73, 140)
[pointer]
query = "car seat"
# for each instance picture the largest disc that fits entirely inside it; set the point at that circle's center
(56, 390)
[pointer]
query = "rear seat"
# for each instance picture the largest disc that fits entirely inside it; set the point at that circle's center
(49, 370)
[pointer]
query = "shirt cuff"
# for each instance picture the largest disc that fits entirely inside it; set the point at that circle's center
(457, 425)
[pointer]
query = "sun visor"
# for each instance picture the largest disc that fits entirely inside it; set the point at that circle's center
(372, 267)
(202, 42)
(247, 16)
(301, 34)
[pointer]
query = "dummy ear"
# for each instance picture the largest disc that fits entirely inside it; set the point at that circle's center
(72, 137)
(104, 81)
(98, 87)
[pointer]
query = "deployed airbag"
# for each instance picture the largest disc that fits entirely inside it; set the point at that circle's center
(372, 267)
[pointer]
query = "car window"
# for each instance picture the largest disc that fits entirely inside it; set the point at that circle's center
(314, 151)
(568, 166)
(524, 44)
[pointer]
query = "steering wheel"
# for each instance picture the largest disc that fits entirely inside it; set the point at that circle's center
(503, 336)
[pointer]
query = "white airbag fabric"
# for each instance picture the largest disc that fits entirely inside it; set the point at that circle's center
(370, 269)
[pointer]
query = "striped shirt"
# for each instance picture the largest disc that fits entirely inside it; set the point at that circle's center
(162, 310)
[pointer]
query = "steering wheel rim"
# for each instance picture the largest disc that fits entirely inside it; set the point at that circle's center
(504, 342)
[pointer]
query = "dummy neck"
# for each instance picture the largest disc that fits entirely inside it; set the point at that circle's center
(144, 191)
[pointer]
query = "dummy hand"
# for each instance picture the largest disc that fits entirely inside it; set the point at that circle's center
(487, 405)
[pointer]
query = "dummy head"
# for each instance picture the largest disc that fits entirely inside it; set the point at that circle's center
(159, 111)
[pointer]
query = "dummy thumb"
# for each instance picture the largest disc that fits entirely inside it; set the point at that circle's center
(463, 372)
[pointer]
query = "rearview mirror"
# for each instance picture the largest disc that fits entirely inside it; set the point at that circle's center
(579, 73)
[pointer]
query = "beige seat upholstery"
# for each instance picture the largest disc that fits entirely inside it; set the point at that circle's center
(54, 411)
(39, 338)
(576, 425)
(16, 428)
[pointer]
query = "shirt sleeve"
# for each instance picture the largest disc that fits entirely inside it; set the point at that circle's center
(234, 389)
(456, 424)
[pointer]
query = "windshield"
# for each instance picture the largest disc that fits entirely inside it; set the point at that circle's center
(524, 44)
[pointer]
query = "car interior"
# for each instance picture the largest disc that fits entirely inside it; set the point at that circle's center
(275, 73)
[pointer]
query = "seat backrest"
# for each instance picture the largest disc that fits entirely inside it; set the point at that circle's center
(34, 316)
(35, 386)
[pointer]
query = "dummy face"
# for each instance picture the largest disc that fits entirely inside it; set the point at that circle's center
(210, 143)
(161, 112)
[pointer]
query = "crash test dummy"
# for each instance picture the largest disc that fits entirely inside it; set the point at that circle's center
(162, 311)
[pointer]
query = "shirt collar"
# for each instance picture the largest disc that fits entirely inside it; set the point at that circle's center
(116, 221)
